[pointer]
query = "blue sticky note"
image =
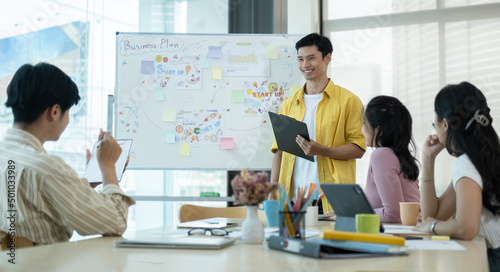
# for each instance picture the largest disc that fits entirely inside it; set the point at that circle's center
(159, 95)
(170, 138)
(214, 52)
(205, 63)
(147, 67)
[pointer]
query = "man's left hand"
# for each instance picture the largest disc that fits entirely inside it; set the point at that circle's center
(310, 148)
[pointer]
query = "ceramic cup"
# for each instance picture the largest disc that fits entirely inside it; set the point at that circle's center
(367, 223)
(409, 212)
(270, 208)
(312, 216)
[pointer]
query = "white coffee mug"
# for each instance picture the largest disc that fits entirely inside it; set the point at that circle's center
(312, 216)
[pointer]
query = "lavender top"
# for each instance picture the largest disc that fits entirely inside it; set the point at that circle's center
(386, 186)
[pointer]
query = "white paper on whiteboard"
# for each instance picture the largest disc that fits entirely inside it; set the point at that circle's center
(93, 172)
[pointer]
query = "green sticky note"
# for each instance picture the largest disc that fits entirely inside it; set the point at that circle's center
(238, 96)
(204, 62)
(169, 115)
(159, 95)
(170, 137)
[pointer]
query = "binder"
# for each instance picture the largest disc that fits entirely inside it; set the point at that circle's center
(361, 237)
(325, 249)
(286, 130)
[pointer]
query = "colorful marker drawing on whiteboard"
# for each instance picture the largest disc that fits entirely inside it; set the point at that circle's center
(133, 109)
(221, 87)
(177, 71)
(287, 66)
(263, 96)
(199, 126)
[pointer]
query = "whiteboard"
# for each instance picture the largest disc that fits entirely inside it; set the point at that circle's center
(201, 101)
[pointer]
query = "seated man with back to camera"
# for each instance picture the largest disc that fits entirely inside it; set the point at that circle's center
(44, 195)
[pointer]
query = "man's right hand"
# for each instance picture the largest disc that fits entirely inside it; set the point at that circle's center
(109, 151)
(107, 155)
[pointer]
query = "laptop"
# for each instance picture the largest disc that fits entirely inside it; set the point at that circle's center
(183, 242)
(347, 200)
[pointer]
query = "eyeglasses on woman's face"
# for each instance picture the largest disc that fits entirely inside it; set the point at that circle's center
(203, 231)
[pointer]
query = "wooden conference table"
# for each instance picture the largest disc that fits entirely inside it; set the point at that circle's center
(99, 254)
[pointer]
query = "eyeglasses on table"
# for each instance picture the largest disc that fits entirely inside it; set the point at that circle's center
(203, 231)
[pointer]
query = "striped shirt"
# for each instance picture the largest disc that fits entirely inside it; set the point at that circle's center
(43, 199)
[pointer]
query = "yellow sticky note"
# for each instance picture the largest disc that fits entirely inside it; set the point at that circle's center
(293, 89)
(272, 52)
(169, 115)
(217, 73)
(440, 238)
(185, 150)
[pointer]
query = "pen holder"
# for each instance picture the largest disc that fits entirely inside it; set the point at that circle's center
(292, 224)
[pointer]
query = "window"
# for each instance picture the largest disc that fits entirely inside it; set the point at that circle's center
(79, 37)
(411, 49)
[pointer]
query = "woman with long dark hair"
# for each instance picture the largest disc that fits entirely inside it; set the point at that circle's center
(470, 205)
(393, 171)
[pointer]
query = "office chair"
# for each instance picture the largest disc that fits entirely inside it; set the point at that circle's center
(20, 242)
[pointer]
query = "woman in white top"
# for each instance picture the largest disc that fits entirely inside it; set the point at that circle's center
(471, 203)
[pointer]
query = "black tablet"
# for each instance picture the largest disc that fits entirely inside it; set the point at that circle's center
(347, 200)
(286, 130)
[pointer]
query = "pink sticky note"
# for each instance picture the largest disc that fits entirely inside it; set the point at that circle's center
(226, 143)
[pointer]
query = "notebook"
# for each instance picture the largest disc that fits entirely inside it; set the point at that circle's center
(183, 242)
(347, 200)
(93, 172)
(329, 249)
(210, 223)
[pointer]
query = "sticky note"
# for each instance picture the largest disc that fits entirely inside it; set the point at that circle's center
(440, 238)
(170, 137)
(293, 89)
(226, 143)
(204, 62)
(147, 67)
(185, 150)
(217, 73)
(159, 95)
(272, 52)
(169, 115)
(238, 96)
(214, 52)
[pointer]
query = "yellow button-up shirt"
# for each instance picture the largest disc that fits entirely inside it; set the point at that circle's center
(339, 119)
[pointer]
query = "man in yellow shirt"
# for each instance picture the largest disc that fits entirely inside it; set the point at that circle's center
(334, 117)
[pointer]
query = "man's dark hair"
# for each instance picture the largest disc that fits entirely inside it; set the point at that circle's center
(33, 89)
(323, 43)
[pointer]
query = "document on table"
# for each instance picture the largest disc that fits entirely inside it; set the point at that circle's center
(398, 229)
(275, 232)
(93, 172)
(433, 245)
